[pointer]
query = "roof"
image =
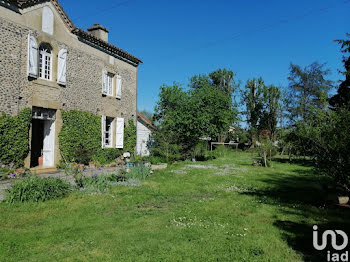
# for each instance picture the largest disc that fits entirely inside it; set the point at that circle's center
(82, 34)
(145, 120)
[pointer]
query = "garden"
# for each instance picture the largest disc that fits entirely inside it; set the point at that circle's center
(223, 209)
(257, 203)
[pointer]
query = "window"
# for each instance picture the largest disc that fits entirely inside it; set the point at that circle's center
(45, 62)
(108, 83)
(107, 131)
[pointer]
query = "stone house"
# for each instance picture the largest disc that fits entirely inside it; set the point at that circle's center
(144, 128)
(49, 65)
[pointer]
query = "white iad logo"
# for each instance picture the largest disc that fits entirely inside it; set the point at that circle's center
(333, 235)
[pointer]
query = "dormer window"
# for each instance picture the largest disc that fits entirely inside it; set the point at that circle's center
(45, 62)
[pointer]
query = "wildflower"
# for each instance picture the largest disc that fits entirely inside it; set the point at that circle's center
(12, 175)
(95, 176)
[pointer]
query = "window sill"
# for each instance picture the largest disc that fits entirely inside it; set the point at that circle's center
(49, 83)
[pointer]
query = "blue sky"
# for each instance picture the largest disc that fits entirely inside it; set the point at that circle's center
(178, 39)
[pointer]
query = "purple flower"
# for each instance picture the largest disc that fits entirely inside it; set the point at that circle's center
(95, 176)
(12, 175)
(99, 168)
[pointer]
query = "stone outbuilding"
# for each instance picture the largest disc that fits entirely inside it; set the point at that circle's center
(50, 65)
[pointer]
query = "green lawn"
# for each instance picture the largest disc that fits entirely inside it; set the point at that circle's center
(227, 210)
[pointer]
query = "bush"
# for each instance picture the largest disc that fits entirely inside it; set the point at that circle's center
(116, 177)
(99, 184)
(266, 150)
(95, 183)
(139, 172)
(5, 172)
(220, 151)
(76, 173)
(332, 148)
(200, 151)
(14, 138)
(35, 189)
(106, 155)
(163, 148)
(80, 137)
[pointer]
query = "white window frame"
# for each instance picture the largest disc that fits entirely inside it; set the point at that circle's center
(110, 84)
(43, 55)
(110, 132)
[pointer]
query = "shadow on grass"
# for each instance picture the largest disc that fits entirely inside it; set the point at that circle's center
(303, 192)
(299, 236)
(292, 189)
(301, 162)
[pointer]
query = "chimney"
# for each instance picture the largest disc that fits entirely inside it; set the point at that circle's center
(99, 31)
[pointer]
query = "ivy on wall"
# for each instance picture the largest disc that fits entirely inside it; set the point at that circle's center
(130, 137)
(14, 138)
(80, 136)
(80, 139)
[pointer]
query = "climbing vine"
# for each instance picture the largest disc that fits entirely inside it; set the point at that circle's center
(14, 138)
(130, 137)
(80, 137)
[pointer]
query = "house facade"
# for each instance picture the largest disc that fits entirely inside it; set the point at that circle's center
(49, 65)
(144, 128)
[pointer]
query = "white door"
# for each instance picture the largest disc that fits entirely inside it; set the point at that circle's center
(49, 143)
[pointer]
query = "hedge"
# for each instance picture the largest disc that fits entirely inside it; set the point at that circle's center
(14, 138)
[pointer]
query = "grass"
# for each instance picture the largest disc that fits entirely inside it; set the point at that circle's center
(220, 210)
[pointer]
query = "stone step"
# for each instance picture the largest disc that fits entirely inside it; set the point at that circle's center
(44, 170)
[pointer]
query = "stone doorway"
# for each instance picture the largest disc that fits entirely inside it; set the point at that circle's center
(43, 138)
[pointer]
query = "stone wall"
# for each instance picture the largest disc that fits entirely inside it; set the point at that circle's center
(84, 73)
(84, 78)
(11, 57)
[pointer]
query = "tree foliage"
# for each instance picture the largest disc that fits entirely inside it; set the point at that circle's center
(206, 109)
(262, 105)
(14, 138)
(308, 87)
(342, 98)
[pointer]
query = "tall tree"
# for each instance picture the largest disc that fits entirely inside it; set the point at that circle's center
(308, 87)
(206, 109)
(254, 104)
(342, 98)
(271, 95)
(223, 79)
(215, 92)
